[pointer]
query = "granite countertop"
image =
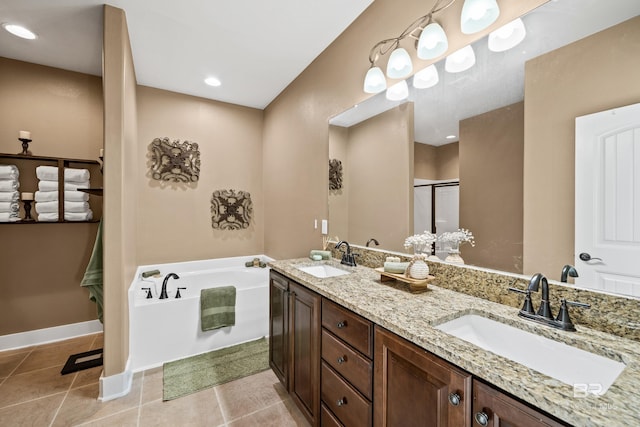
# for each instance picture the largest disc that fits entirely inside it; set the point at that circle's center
(414, 315)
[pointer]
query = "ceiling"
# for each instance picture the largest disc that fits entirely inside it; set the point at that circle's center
(256, 48)
(497, 79)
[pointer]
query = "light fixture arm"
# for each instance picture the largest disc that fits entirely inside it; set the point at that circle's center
(385, 46)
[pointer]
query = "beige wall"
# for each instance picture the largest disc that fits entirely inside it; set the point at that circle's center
(120, 198)
(174, 220)
(42, 264)
(339, 199)
(380, 179)
(296, 123)
(491, 159)
(436, 162)
(594, 74)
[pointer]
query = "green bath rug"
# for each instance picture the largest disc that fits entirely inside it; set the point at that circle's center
(186, 376)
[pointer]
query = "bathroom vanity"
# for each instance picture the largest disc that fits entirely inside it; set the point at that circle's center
(354, 351)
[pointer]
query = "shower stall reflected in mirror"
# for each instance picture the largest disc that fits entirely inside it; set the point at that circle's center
(436, 209)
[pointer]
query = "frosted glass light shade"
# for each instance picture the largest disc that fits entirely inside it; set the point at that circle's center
(477, 15)
(460, 60)
(507, 36)
(398, 91)
(432, 42)
(426, 78)
(374, 81)
(399, 65)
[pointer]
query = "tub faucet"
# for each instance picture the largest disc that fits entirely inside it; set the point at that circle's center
(347, 257)
(163, 293)
(568, 270)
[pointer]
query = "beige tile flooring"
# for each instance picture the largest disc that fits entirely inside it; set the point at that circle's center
(33, 393)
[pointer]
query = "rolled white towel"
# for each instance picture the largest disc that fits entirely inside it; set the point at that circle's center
(9, 207)
(9, 172)
(50, 173)
(69, 196)
(9, 196)
(47, 207)
(68, 216)
(46, 185)
(9, 184)
(9, 217)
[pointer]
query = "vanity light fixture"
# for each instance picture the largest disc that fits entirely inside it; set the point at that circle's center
(477, 15)
(430, 40)
(19, 31)
(398, 91)
(460, 60)
(426, 78)
(507, 36)
(212, 81)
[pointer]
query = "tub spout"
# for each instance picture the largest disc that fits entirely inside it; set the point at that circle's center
(163, 293)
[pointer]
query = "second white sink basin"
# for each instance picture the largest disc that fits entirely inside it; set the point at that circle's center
(585, 371)
(323, 271)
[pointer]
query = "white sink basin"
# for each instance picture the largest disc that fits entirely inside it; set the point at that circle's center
(323, 271)
(585, 371)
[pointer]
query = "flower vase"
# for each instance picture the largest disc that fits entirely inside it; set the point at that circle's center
(418, 269)
(454, 254)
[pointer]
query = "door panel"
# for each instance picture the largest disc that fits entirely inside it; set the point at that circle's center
(607, 191)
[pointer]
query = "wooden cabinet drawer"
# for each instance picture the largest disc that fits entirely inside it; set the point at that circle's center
(327, 419)
(343, 400)
(351, 328)
(349, 363)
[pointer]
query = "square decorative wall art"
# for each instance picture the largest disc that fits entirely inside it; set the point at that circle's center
(335, 174)
(174, 161)
(231, 210)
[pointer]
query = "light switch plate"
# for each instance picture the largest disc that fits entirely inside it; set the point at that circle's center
(325, 226)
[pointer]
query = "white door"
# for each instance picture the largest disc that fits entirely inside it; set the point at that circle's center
(607, 191)
(422, 208)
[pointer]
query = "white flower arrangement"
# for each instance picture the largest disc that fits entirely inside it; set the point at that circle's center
(461, 236)
(420, 240)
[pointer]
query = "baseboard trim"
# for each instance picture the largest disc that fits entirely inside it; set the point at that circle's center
(115, 386)
(47, 335)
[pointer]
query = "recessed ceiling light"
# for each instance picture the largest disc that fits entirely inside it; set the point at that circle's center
(20, 31)
(212, 81)
(451, 137)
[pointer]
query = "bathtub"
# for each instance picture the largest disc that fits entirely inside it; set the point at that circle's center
(161, 330)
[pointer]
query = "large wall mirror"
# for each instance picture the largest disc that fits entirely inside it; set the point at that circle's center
(503, 130)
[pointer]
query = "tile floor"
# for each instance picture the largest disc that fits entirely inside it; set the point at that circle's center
(33, 393)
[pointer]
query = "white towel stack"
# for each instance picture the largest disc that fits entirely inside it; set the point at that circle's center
(76, 206)
(9, 196)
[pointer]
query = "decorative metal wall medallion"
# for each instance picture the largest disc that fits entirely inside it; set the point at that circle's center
(231, 210)
(335, 174)
(174, 161)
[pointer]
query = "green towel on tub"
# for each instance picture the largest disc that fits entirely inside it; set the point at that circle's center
(217, 307)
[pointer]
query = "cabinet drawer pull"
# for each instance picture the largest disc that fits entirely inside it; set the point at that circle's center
(342, 324)
(342, 359)
(454, 399)
(482, 418)
(342, 401)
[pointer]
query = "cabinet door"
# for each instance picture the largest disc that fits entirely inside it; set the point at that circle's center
(278, 327)
(493, 408)
(412, 387)
(304, 332)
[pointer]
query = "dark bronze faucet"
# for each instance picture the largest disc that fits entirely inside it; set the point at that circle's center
(347, 257)
(163, 293)
(568, 270)
(544, 314)
(374, 241)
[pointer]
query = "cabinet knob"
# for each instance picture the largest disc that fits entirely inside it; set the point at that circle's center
(482, 418)
(341, 324)
(454, 399)
(342, 401)
(342, 359)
